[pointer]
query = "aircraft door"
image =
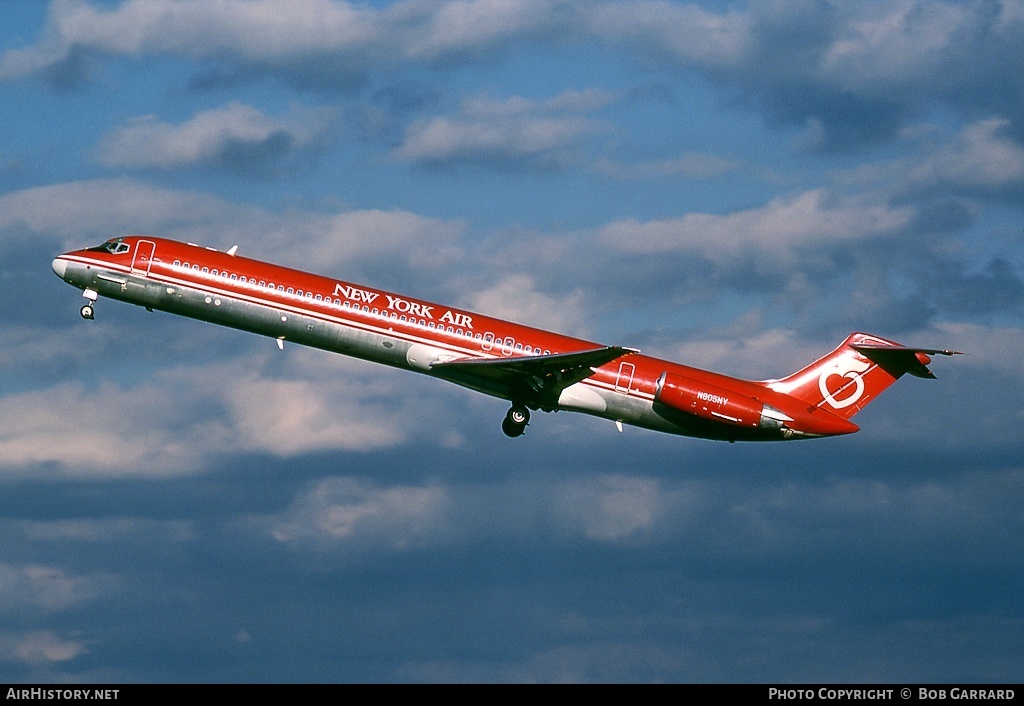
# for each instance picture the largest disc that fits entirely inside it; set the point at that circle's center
(625, 377)
(142, 260)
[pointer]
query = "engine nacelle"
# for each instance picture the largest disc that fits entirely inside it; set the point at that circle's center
(715, 403)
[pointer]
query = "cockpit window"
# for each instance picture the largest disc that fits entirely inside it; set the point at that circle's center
(117, 246)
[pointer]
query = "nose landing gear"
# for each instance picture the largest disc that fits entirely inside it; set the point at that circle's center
(515, 422)
(87, 311)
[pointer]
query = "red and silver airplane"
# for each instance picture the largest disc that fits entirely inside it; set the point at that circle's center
(531, 368)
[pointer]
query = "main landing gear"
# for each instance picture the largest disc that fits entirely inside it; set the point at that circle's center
(87, 311)
(515, 421)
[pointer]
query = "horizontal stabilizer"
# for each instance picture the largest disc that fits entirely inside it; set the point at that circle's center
(896, 359)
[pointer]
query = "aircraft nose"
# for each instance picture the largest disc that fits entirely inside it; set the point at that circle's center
(59, 266)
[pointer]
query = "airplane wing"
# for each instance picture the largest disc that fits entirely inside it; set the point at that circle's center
(536, 379)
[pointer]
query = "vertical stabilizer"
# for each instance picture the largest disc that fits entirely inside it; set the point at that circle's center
(854, 374)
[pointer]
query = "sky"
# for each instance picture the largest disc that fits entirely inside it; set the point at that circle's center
(735, 186)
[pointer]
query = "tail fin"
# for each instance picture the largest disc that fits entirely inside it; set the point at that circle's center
(861, 368)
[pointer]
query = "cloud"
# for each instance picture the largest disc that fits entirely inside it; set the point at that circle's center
(98, 208)
(512, 130)
(345, 511)
(515, 298)
(778, 231)
(237, 138)
(861, 514)
(847, 73)
(748, 351)
(420, 242)
(39, 648)
(686, 32)
(316, 43)
(51, 426)
(995, 348)
(348, 514)
(253, 30)
(35, 588)
(614, 508)
(850, 74)
(287, 417)
(956, 52)
(982, 159)
(453, 29)
(87, 212)
(180, 419)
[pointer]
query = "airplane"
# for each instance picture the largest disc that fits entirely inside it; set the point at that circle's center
(531, 368)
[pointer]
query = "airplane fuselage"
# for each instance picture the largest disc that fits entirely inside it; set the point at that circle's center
(530, 367)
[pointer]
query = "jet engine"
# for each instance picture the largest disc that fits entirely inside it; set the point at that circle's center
(715, 403)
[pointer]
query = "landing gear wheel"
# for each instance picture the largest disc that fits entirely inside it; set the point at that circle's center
(511, 430)
(87, 312)
(515, 421)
